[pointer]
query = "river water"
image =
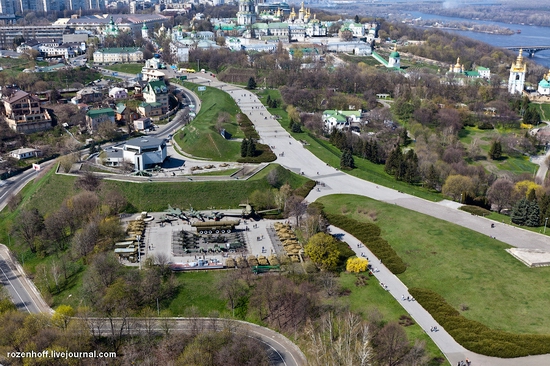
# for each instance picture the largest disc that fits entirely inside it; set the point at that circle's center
(530, 35)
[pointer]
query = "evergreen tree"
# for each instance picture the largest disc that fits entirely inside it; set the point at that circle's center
(251, 148)
(268, 100)
(404, 137)
(533, 215)
(411, 173)
(295, 127)
(394, 160)
(432, 178)
(346, 160)
(531, 195)
(244, 147)
(495, 152)
(251, 84)
(374, 152)
(357, 19)
(520, 212)
(544, 205)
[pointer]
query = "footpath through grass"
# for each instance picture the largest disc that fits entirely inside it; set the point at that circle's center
(331, 155)
(471, 271)
(200, 138)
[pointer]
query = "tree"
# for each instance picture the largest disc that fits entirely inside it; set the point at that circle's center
(251, 148)
(495, 152)
(251, 85)
(432, 178)
(88, 181)
(233, 288)
(356, 264)
(458, 186)
(346, 160)
(520, 212)
(338, 339)
(323, 251)
(500, 193)
(244, 147)
(533, 215)
(29, 227)
(62, 316)
(391, 344)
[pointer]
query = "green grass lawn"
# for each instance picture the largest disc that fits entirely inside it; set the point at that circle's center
(126, 68)
(218, 172)
(156, 197)
(544, 110)
(200, 138)
(516, 164)
(198, 289)
(329, 154)
(467, 268)
(366, 298)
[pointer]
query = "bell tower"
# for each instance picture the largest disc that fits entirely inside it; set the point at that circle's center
(517, 75)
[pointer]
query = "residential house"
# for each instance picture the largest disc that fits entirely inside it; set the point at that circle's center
(151, 74)
(150, 109)
(157, 92)
(23, 112)
(31, 44)
(143, 123)
(87, 95)
(340, 119)
(25, 153)
(96, 116)
(118, 93)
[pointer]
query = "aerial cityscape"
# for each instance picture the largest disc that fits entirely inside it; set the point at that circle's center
(254, 182)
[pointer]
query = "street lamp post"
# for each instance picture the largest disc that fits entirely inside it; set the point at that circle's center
(461, 198)
(545, 222)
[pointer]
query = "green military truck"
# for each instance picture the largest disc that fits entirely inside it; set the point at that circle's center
(216, 227)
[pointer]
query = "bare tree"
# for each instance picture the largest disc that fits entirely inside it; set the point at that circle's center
(88, 181)
(29, 227)
(295, 207)
(232, 288)
(391, 344)
(501, 193)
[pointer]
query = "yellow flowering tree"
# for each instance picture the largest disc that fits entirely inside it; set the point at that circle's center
(356, 264)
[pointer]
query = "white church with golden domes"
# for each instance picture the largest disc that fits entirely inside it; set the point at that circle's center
(517, 75)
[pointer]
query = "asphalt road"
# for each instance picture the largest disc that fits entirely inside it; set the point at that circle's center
(22, 291)
(280, 350)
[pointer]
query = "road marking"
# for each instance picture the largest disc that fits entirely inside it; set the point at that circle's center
(14, 289)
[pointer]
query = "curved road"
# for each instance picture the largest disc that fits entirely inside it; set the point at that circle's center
(301, 160)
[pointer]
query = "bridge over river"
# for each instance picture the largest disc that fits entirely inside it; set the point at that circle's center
(531, 50)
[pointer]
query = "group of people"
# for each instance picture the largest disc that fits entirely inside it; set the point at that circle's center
(408, 298)
(464, 363)
(434, 329)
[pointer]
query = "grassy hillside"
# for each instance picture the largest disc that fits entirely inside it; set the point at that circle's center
(201, 138)
(471, 271)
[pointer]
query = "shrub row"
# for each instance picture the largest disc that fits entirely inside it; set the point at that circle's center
(369, 234)
(475, 210)
(304, 189)
(265, 155)
(478, 337)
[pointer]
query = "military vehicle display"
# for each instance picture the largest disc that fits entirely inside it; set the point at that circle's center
(215, 227)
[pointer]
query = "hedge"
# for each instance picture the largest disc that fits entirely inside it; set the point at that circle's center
(477, 337)
(369, 234)
(475, 210)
